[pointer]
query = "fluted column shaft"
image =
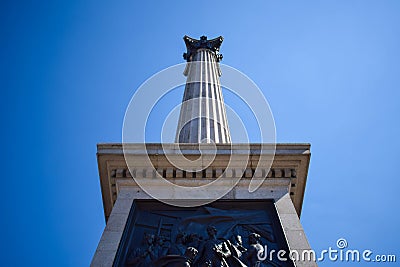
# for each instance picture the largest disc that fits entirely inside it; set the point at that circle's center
(203, 115)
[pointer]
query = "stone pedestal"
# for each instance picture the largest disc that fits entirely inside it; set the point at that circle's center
(284, 188)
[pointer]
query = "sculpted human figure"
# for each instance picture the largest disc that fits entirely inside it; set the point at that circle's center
(213, 252)
(178, 248)
(160, 248)
(190, 254)
(255, 249)
(236, 248)
(238, 245)
(193, 240)
(143, 256)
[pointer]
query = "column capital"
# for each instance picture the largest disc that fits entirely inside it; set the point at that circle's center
(192, 45)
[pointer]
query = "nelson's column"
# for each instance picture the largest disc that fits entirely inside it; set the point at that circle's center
(233, 230)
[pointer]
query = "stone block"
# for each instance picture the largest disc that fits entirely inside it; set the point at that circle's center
(199, 174)
(178, 173)
(103, 258)
(229, 173)
(238, 172)
(285, 205)
(109, 240)
(241, 191)
(229, 195)
(122, 205)
(287, 173)
(278, 173)
(248, 173)
(139, 173)
(126, 194)
(119, 173)
(290, 221)
(258, 173)
(149, 173)
(296, 239)
(169, 173)
(116, 222)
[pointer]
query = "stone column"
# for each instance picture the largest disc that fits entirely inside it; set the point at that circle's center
(203, 115)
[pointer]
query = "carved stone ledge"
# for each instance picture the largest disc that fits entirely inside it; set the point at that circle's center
(170, 172)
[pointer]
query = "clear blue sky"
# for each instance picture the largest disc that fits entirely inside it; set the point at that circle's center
(329, 69)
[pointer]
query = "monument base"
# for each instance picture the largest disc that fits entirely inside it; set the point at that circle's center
(141, 231)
